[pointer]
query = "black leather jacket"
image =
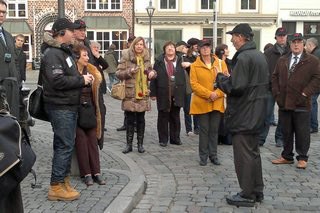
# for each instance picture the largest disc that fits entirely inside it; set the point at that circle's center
(247, 91)
(62, 82)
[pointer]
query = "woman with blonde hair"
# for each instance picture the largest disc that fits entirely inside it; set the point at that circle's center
(135, 70)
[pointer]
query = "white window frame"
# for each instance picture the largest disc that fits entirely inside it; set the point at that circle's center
(249, 10)
(210, 9)
(103, 51)
(16, 3)
(168, 9)
(97, 6)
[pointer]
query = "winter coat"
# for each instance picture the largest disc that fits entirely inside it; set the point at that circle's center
(246, 102)
(9, 74)
(316, 52)
(305, 79)
(127, 62)
(202, 81)
(21, 58)
(272, 55)
(95, 94)
(161, 86)
(61, 80)
(112, 62)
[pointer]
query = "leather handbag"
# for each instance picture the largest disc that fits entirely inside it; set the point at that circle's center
(118, 90)
(87, 116)
(36, 105)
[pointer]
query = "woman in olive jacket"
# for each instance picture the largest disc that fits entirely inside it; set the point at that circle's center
(207, 102)
(135, 70)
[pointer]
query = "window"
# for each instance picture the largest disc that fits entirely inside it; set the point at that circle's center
(106, 38)
(109, 5)
(207, 4)
(208, 34)
(17, 8)
(311, 29)
(168, 5)
(249, 5)
(161, 36)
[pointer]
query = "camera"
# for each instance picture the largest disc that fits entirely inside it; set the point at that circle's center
(7, 57)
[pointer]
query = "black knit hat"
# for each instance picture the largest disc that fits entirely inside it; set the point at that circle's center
(193, 41)
(81, 23)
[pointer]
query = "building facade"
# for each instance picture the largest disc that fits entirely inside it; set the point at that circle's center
(108, 21)
(180, 20)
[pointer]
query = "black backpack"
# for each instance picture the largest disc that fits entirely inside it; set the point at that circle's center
(16, 154)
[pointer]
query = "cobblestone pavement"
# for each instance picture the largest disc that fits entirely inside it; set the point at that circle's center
(169, 179)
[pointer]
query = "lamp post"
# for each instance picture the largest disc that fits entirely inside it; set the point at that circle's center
(150, 10)
(215, 25)
(61, 13)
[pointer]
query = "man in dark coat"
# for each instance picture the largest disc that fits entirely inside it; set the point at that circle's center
(245, 113)
(169, 89)
(9, 74)
(312, 47)
(295, 79)
(273, 54)
(21, 57)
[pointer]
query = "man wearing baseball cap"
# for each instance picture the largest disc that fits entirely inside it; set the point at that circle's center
(273, 54)
(295, 79)
(62, 85)
(246, 90)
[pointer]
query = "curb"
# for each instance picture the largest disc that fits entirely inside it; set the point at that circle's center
(129, 197)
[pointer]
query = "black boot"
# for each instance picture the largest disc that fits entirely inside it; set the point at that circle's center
(130, 132)
(140, 136)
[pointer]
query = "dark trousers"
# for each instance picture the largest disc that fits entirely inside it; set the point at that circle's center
(314, 112)
(247, 162)
(13, 202)
(169, 123)
(87, 151)
(295, 126)
(134, 118)
(188, 118)
(208, 136)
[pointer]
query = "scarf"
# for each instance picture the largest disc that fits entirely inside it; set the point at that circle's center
(141, 80)
(170, 67)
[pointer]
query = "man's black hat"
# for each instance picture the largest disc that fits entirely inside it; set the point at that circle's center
(63, 24)
(243, 29)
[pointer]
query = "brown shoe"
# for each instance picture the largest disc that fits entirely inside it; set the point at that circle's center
(59, 192)
(281, 160)
(68, 186)
(302, 164)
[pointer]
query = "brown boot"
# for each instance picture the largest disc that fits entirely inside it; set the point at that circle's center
(68, 185)
(59, 192)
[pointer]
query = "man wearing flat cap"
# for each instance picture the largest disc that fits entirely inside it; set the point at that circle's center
(62, 85)
(273, 54)
(246, 90)
(295, 79)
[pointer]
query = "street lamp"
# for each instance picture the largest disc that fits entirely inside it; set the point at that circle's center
(61, 13)
(150, 10)
(215, 25)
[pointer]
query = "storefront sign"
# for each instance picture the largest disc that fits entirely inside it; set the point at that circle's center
(305, 13)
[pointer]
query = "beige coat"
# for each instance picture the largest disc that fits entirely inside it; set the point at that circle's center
(128, 61)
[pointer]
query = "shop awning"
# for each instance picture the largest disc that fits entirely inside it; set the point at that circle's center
(17, 27)
(109, 22)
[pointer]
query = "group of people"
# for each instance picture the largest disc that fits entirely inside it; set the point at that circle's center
(216, 93)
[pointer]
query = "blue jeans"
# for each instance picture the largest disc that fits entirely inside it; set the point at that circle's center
(64, 123)
(112, 79)
(187, 116)
(269, 110)
(314, 112)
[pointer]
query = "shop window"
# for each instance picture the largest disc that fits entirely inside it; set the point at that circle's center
(161, 36)
(106, 38)
(311, 29)
(208, 34)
